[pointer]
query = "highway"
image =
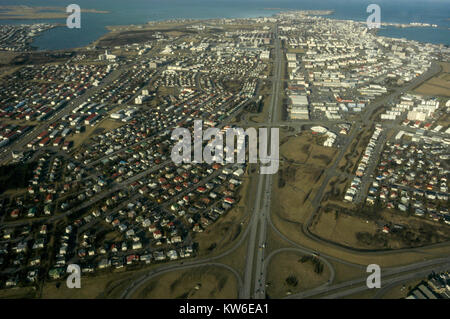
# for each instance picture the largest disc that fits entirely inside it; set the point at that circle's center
(262, 200)
(388, 278)
(253, 281)
(259, 217)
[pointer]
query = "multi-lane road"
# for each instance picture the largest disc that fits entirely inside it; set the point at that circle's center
(257, 239)
(252, 282)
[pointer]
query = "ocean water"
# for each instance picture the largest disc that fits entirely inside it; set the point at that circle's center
(125, 12)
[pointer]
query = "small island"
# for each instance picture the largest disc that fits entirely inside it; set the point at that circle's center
(30, 13)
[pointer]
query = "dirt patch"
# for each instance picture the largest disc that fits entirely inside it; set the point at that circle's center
(92, 287)
(289, 272)
(18, 293)
(437, 85)
(197, 283)
(342, 228)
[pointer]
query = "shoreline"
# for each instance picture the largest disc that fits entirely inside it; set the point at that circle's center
(113, 28)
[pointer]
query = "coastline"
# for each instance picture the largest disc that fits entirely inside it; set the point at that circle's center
(398, 27)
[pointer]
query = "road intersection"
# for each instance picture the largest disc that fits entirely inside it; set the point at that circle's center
(252, 281)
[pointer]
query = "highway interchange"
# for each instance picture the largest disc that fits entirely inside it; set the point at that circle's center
(252, 282)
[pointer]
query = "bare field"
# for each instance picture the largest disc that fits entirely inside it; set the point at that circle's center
(358, 228)
(437, 85)
(18, 293)
(197, 283)
(106, 124)
(287, 274)
(342, 228)
(345, 272)
(299, 177)
(91, 287)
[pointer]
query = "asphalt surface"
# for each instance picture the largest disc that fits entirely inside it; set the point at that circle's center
(258, 226)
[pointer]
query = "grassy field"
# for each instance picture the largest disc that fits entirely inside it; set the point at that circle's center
(444, 120)
(305, 149)
(345, 272)
(344, 224)
(106, 124)
(18, 293)
(299, 177)
(6, 58)
(437, 85)
(342, 228)
(302, 275)
(130, 34)
(197, 283)
(91, 287)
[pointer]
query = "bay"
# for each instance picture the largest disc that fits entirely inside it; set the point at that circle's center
(126, 12)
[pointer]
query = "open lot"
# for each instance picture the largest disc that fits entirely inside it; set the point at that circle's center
(106, 124)
(299, 176)
(196, 283)
(18, 293)
(362, 228)
(342, 228)
(91, 287)
(121, 35)
(288, 274)
(437, 85)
